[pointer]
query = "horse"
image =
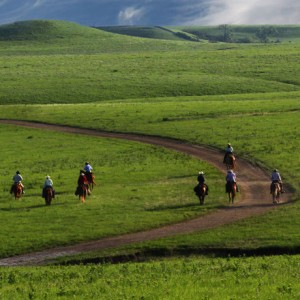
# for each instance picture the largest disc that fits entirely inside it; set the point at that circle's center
(81, 191)
(91, 180)
(48, 195)
(231, 188)
(17, 189)
(275, 192)
(200, 191)
(229, 161)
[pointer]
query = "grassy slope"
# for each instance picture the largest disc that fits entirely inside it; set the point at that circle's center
(153, 32)
(87, 78)
(222, 69)
(60, 37)
(239, 33)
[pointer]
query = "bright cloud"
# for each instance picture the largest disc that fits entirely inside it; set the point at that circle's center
(130, 15)
(247, 12)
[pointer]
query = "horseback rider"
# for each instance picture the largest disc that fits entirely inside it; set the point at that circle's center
(82, 183)
(230, 179)
(201, 180)
(48, 183)
(17, 179)
(276, 178)
(228, 151)
(88, 170)
(82, 180)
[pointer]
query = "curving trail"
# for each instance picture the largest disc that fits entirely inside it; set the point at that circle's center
(254, 198)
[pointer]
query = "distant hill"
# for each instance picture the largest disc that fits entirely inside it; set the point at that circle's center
(44, 30)
(153, 32)
(62, 37)
(222, 33)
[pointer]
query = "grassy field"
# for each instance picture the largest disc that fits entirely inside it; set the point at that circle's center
(198, 92)
(139, 187)
(190, 278)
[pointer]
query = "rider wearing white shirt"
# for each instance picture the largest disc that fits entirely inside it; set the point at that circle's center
(48, 183)
(88, 168)
(17, 179)
(275, 177)
(231, 177)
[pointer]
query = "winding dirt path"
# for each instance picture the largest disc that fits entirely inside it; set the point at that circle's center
(253, 200)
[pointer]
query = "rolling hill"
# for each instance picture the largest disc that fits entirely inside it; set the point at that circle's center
(235, 33)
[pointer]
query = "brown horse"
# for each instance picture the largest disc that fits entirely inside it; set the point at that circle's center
(275, 192)
(231, 188)
(82, 192)
(17, 190)
(91, 179)
(229, 161)
(200, 191)
(48, 195)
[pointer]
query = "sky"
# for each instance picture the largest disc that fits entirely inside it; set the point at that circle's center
(153, 12)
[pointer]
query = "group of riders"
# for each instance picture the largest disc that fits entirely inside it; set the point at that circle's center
(85, 177)
(231, 176)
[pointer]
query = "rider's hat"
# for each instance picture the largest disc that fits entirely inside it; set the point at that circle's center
(86, 162)
(275, 170)
(201, 173)
(229, 171)
(47, 177)
(18, 172)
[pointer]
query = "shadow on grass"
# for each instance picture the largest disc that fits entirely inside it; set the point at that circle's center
(160, 253)
(167, 207)
(42, 204)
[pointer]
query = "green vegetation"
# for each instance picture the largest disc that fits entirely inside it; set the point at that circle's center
(155, 32)
(221, 33)
(139, 187)
(273, 277)
(204, 93)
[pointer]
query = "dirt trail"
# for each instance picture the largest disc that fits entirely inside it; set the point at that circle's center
(254, 198)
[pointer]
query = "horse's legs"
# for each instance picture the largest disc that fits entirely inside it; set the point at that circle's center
(201, 200)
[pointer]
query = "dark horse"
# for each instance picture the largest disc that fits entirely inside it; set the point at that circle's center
(200, 191)
(48, 195)
(231, 188)
(91, 179)
(82, 192)
(229, 161)
(17, 190)
(275, 192)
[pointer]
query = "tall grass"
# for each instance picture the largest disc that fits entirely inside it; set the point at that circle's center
(191, 278)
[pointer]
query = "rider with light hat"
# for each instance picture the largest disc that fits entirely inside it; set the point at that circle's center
(17, 179)
(48, 183)
(228, 151)
(201, 180)
(230, 179)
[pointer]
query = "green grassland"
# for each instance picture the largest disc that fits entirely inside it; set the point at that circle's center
(273, 277)
(139, 187)
(203, 93)
(238, 33)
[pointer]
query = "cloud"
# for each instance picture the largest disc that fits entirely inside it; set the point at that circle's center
(213, 12)
(130, 15)
(154, 12)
